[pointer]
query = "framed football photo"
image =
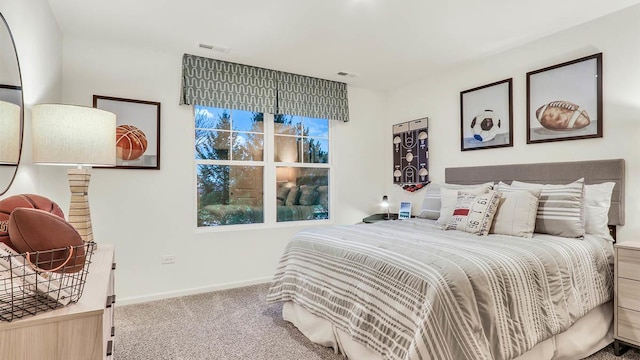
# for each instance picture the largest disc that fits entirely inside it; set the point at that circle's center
(564, 101)
(137, 131)
(486, 116)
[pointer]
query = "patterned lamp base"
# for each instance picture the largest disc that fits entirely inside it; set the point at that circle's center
(79, 214)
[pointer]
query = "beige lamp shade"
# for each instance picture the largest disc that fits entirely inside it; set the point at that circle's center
(283, 174)
(73, 135)
(9, 133)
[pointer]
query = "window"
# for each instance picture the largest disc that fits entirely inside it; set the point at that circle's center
(233, 169)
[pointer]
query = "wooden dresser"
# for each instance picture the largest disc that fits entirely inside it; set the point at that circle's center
(81, 331)
(627, 296)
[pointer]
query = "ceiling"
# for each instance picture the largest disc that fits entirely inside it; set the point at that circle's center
(387, 43)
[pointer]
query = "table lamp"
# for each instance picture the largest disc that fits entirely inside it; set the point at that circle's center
(9, 133)
(78, 136)
(385, 204)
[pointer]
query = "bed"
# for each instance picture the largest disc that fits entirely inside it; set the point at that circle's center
(410, 290)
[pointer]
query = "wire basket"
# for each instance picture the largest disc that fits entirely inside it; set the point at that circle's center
(32, 283)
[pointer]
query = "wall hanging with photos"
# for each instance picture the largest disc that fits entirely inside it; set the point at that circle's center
(411, 154)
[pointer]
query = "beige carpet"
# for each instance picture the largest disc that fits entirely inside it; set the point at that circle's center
(224, 325)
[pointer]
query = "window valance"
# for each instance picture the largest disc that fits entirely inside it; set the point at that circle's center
(217, 83)
(224, 84)
(312, 97)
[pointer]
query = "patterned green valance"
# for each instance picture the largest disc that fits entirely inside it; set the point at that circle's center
(312, 97)
(224, 84)
(217, 83)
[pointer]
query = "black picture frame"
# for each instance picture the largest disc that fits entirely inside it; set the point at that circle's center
(563, 99)
(143, 115)
(480, 107)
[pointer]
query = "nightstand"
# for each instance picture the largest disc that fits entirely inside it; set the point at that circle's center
(626, 323)
(379, 217)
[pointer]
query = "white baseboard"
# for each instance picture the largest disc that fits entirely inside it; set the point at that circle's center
(193, 291)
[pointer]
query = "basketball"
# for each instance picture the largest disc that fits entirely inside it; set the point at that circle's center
(131, 142)
(33, 230)
(23, 201)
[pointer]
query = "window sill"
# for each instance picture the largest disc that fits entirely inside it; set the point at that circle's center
(254, 227)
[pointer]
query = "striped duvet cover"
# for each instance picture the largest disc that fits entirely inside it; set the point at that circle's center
(409, 290)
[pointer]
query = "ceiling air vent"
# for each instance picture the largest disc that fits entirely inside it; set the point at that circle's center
(347, 74)
(222, 49)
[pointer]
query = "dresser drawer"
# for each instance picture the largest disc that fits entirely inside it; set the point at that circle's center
(629, 264)
(628, 325)
(629, 294)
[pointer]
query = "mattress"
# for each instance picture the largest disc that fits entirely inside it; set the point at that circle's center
(409, 290)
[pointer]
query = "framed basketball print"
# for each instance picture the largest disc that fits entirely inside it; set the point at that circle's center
(411, 154)
(137, 131)
(564, 101)
(486, 116)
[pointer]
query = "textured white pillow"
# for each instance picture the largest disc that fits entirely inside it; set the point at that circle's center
(597, 201)
(516, 215)
(431, 203)
(449, 197)
(474, 213)
(560, 209)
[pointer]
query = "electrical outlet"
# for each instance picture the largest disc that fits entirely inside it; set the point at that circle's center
(168, 259)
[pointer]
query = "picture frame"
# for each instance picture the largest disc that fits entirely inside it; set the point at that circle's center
(486, 116)
(138, 123)
(564, 101)
(405, 210)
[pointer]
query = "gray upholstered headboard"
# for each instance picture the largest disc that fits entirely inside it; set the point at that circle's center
(593, 172)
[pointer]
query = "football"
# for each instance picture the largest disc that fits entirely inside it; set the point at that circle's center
(33, 230)
(485, 126)
(562, 116)
(23, 201)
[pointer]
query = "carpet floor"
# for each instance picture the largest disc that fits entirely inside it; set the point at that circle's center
(225, 325)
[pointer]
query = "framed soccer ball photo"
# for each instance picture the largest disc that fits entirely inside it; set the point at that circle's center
(137, 131)
(486, 116)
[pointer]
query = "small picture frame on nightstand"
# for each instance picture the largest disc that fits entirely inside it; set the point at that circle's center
(405, 210)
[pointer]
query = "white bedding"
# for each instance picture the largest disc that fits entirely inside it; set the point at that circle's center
(589, 334)
(408, 290)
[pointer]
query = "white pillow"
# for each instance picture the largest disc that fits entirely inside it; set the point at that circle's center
(560, 208)
(597, 201)
(474, 213)
(431, 203)
(516, 215)
(449, 197)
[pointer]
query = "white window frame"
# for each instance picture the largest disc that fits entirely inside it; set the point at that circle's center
(269, 181)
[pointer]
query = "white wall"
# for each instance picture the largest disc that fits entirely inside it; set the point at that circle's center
(39, 45)
(617, 36)
(148, 213)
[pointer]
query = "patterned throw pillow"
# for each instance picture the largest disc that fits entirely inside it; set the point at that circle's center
(474, 213)
(431, 204)
(449, 197)
(516, 215)
(281, 196)
(560, 210)
(293, 196)
(308, 195)
(323, 195)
